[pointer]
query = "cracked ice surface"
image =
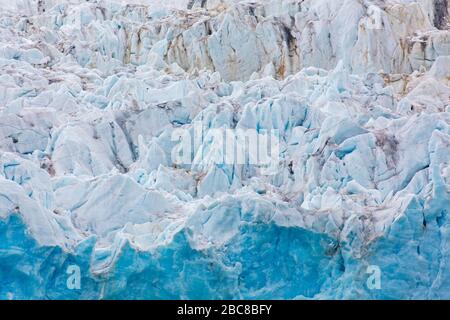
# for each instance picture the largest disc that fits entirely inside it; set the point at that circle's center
(91, 94)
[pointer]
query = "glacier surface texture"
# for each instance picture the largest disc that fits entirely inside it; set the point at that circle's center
(96, 98)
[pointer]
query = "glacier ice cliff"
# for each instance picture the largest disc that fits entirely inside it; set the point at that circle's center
(92, 94)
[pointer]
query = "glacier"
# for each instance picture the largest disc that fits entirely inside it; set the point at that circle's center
(92, 94)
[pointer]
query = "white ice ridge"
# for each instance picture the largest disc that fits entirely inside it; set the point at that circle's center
(92, 94)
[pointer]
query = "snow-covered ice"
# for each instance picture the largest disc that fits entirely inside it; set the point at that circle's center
(96, 97)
